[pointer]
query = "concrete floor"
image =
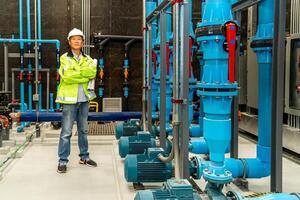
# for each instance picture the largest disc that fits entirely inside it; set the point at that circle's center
(34, 176)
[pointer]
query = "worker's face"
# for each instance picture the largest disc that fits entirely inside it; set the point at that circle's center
(76, 42)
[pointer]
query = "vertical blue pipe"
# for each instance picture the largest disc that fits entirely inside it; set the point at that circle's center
(151, 5)
(260, 166)
(217, 104)
(125, 66)
(51, 102)
(168, 77)
(265, 31)
(29, 60)
(22, 85)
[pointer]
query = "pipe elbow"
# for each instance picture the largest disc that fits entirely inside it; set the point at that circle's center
(255, 168)
(248, 168)
(198, 147)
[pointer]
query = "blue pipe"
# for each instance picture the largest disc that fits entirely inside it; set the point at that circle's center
(199, 146)
(51, 102)
(151, 5)
(21, 41)
(125, 66)
(217, 104)
(56, 116)
(29, 60)
(260, 167)
(39, 15)
(22, 84)
(28, 21)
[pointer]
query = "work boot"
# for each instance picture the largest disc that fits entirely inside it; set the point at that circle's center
(62, 168)
(88, 162)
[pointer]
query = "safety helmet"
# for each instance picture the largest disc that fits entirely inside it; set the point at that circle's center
(75, 32)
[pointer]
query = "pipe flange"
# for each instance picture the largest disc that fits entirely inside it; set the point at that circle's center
(209, 30)
(245, 168)
(261, 43)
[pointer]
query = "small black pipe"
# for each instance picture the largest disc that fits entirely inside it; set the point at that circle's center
(102, 43)
(117, 37)
(128, 44)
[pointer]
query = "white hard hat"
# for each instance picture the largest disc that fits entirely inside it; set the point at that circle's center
(75, 32)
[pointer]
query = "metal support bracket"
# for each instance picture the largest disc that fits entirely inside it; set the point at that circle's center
(244, 4)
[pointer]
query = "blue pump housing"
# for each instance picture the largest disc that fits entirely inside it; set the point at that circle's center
(136, 144)
(139, 144)
(147, 167)
(128, 128)
(172, 190)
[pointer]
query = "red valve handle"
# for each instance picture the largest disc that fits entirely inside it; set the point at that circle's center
(231, 31)
(168, 53)
(154, 60)
(190, 56)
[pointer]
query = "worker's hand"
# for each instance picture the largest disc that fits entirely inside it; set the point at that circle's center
(95, 61)
(91, 85)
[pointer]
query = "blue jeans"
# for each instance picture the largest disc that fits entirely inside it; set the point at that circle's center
(74, 112)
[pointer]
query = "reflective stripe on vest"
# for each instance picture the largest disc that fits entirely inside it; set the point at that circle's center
(71, 99)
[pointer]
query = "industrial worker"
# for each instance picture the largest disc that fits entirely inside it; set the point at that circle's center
(77, 72)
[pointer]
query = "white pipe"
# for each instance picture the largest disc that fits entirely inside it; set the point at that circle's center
(291, 22)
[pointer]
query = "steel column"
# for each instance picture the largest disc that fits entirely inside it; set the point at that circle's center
(163, 69)
(277, 94)
(175, 118)
(162, 6)
(5, 68)
(144, 106)
(184, 87)
(13, 85)
(234, 147)
(149, 81)
(48, 91)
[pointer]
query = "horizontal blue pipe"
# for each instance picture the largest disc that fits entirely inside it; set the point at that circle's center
(93, 116)
(196, 130)
(12, 40)
(200, 146)
(255, 168)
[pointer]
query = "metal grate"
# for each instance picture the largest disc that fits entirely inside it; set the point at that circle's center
(101, 129)
(295, 17)
(112, 105)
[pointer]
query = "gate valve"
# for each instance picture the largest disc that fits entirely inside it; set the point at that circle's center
(126, 73)
(101, 74)
(230, 30)
(29, 77)
(21, 76)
